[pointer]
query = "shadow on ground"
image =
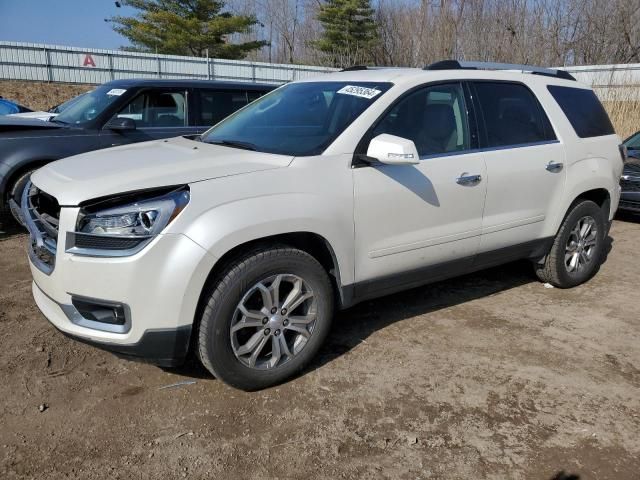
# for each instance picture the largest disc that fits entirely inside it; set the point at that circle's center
(352, 326)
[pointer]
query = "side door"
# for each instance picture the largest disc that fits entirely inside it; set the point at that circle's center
(419, 222)
(525, 165)
(156, 113)
(215, 105)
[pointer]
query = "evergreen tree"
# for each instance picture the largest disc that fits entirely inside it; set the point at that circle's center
(350, 31)
(185, 27)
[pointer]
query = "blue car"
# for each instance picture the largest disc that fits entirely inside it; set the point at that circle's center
(630, 181)
(7, 107)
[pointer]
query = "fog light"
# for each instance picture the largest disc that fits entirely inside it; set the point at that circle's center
(96, 311)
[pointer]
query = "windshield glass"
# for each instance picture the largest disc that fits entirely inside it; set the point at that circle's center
(89, 106)
(299, 119)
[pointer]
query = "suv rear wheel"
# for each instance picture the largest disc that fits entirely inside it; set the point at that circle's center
(576, 253)
(266, 318)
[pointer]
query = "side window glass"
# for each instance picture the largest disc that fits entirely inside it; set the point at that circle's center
(156, 108)
(254, 95)
(433, 117)
(216, 105)
(512, 115)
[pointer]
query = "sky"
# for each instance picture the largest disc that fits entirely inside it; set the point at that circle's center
(77, 23)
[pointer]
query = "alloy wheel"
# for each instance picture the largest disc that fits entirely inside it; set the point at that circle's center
(273, 321)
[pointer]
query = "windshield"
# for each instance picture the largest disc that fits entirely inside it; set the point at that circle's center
(63, 106)
(89, 106)
(299, 119)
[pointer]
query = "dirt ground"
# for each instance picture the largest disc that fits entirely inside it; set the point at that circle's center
(486, 376)
(41, 95)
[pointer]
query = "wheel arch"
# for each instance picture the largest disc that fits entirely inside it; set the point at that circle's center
(16, 171)
(312, 243)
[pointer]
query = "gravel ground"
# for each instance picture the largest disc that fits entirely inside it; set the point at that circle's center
(486, 376)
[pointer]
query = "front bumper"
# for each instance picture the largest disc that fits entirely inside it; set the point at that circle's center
(166, 347)
(630, 196)
(159, 286)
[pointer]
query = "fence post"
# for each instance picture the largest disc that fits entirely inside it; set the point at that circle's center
(47, 60)
(213, 68)
(110, 63)
(253, 72)
(158, 58)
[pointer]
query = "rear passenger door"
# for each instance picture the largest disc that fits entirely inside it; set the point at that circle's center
(524, 161)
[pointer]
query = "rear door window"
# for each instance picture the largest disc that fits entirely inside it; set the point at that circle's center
(216, 105)
(512, 115)
(583, 110)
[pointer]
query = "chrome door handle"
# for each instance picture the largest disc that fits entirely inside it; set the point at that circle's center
(554, 166)
(468, 180)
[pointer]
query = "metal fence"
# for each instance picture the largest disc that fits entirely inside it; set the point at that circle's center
(610, 82)
(51, 63)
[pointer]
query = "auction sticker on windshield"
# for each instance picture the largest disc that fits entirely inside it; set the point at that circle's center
(116, 91)
(363, 92)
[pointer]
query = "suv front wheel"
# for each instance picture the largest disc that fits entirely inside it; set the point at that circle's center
(577, 249)
(266, 318)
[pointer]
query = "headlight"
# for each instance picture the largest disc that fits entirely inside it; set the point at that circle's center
(124, 225)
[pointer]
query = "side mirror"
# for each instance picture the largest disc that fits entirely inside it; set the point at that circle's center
(393, 150)
(121, 124)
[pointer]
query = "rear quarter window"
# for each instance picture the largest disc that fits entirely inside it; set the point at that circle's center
(583, 110)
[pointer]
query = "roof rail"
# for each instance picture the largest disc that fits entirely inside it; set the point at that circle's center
(354, 68)
(457, 65)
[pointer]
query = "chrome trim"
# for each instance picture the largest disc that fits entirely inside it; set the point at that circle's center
(489, 149)
(76, 317)
(36, 235)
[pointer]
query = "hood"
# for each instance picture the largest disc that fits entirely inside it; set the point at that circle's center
(37, 115)
(12, 123)
(146, 165)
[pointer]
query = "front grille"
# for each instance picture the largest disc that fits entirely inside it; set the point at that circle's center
(42, 213)
(630, 185)
(632, 169)
(629, 205)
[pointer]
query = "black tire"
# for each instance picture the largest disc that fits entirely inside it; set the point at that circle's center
(555, 270)
(215, 348)
(16, 189)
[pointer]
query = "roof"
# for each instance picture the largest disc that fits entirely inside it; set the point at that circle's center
(401, 76)
(152, 82)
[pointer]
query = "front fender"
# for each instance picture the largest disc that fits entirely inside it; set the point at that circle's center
(226, 226)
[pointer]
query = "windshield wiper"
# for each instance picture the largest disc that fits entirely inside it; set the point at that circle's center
(234, 144)
(55, 120)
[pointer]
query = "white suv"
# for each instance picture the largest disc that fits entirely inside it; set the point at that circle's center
(240, 244)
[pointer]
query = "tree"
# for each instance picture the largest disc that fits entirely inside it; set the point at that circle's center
(185, 27)
(350, 31)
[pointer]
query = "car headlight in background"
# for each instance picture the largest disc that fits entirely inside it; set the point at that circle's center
(123, 225)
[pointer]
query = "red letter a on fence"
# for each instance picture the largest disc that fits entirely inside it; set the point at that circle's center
(88, 61)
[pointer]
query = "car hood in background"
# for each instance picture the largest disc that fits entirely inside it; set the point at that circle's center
(44, 116)
(12, 123)
(147, 165)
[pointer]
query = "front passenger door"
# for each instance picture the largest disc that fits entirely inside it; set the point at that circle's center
(418, 222)
(157, 113)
